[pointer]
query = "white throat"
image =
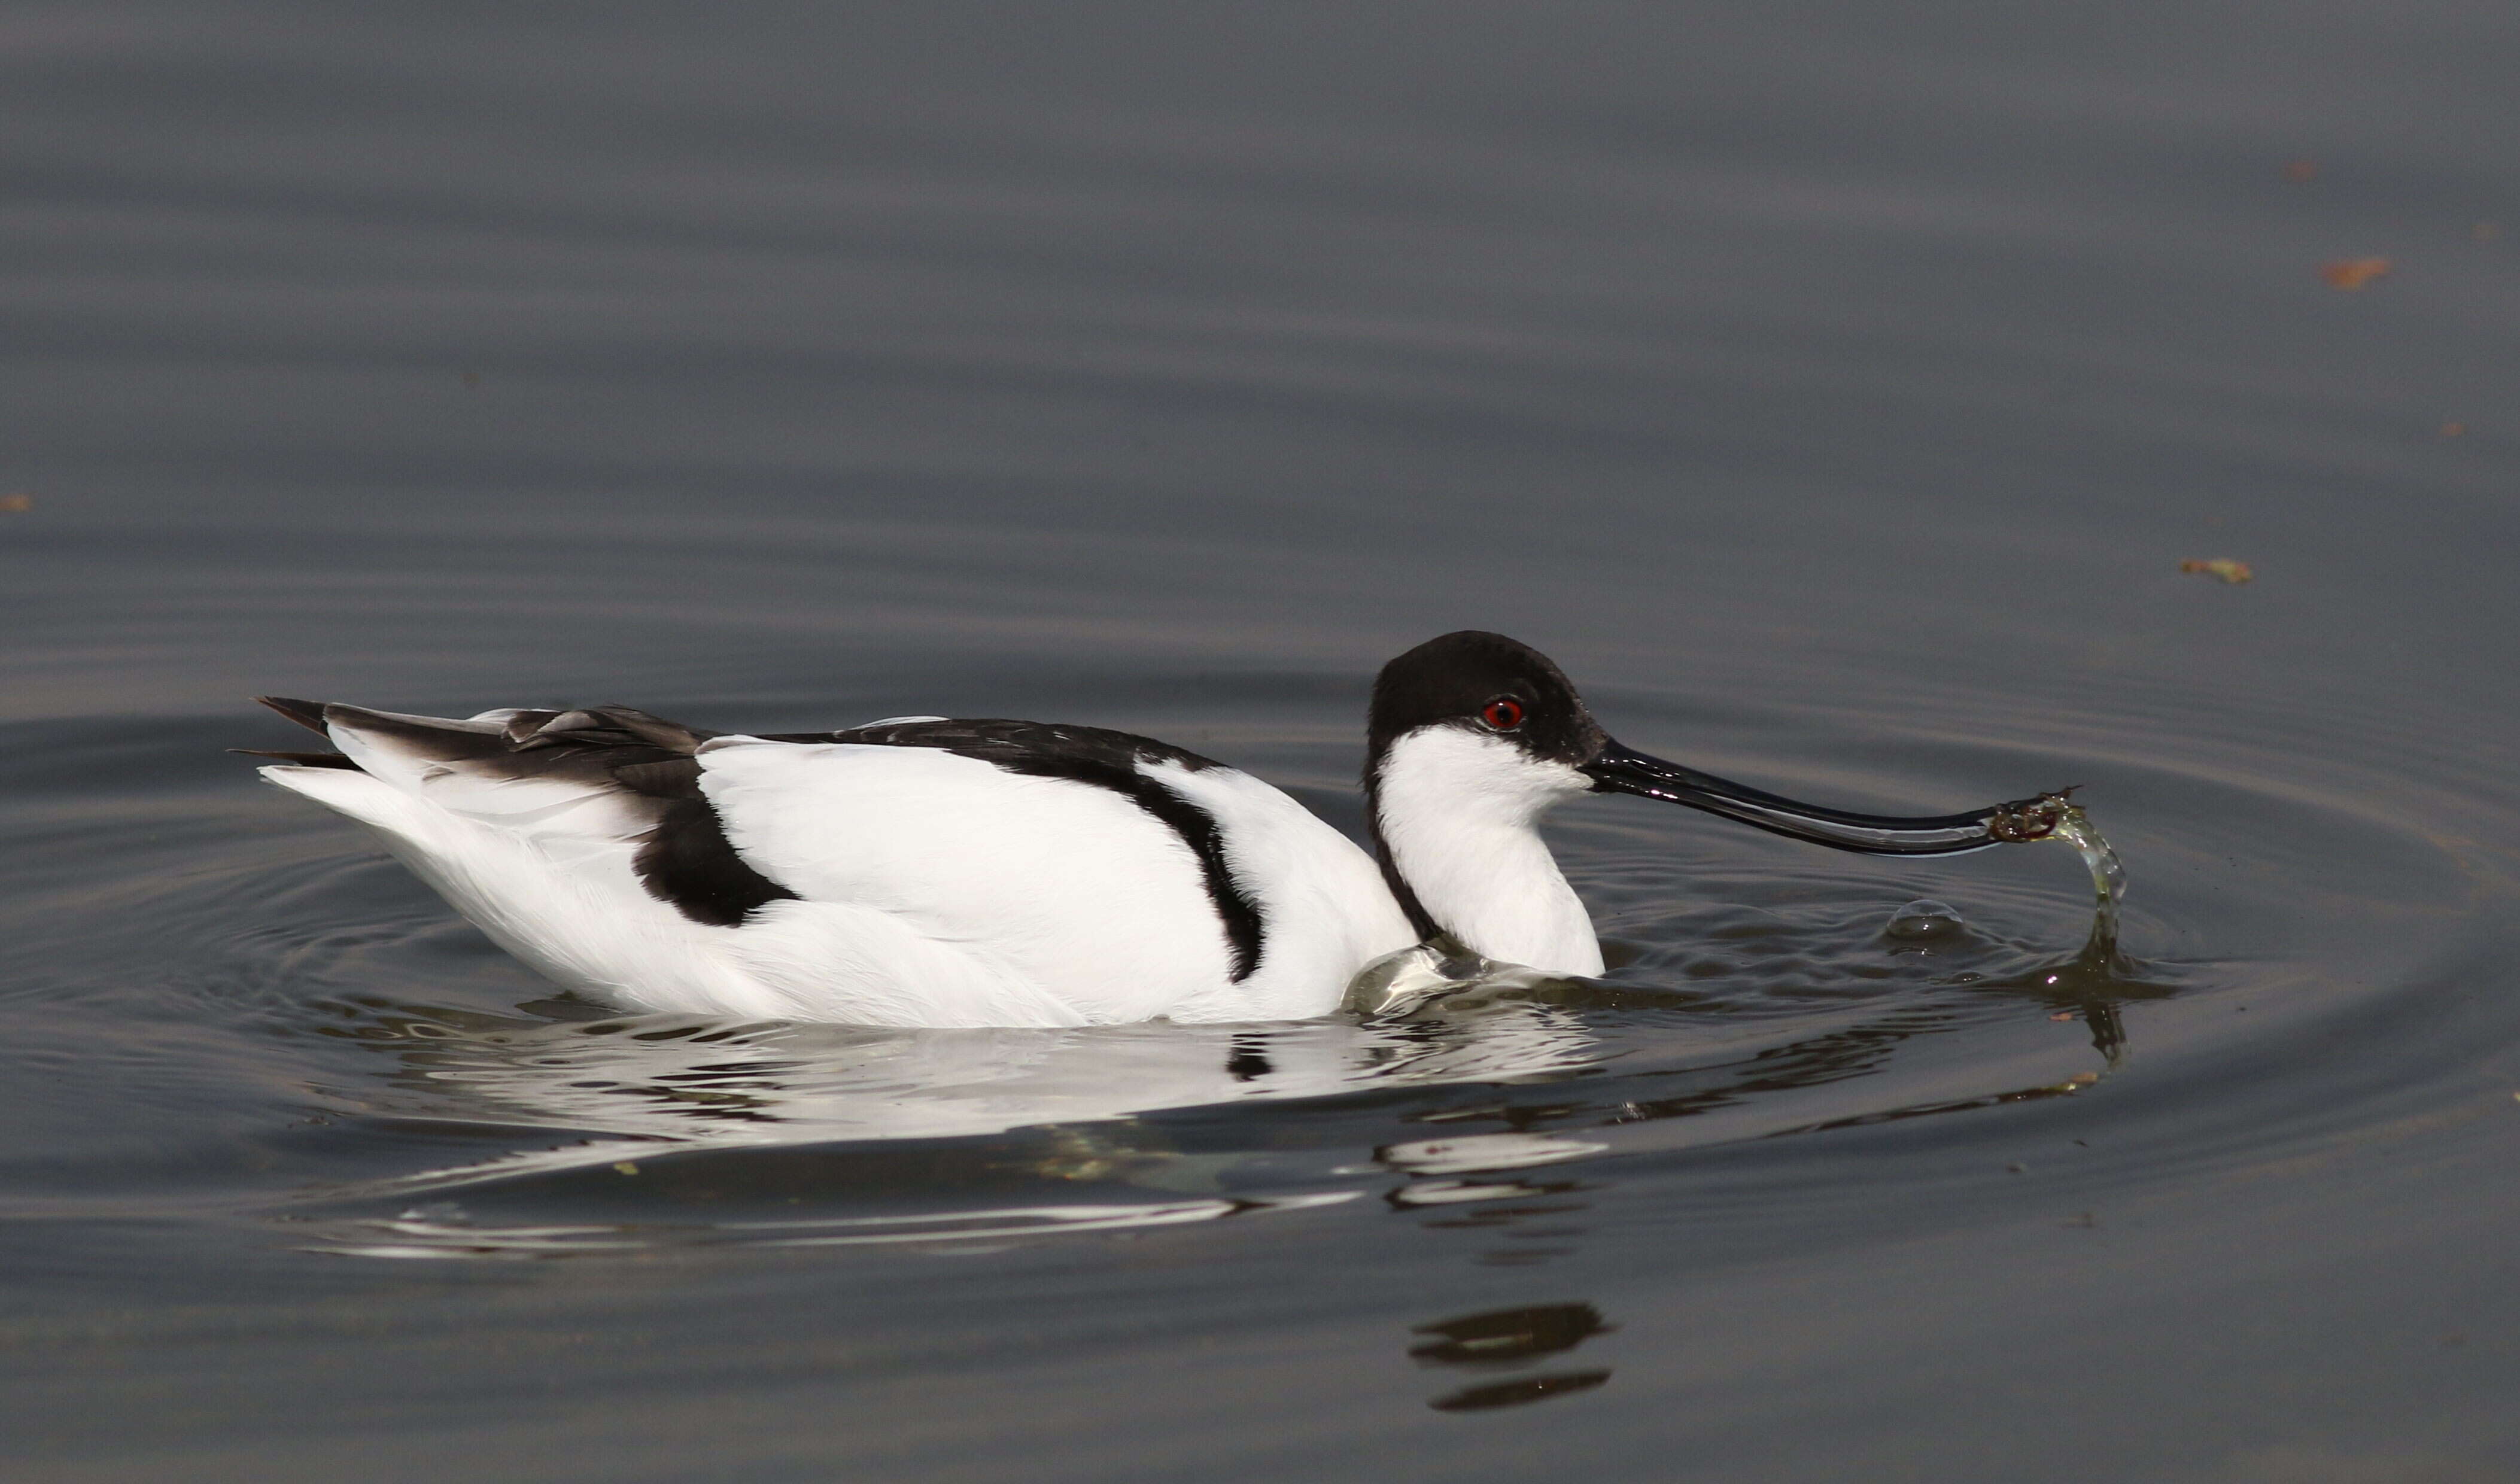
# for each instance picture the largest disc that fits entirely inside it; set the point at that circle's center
(1460, 812)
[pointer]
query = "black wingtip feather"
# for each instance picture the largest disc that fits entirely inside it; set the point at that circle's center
(301, 759)
(306, 713)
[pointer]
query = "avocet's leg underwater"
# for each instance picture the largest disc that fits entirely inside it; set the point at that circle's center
(923, 871)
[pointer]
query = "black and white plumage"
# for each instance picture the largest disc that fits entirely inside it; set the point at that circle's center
(923, 870)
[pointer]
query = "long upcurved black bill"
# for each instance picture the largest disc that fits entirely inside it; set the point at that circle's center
(1623, 770)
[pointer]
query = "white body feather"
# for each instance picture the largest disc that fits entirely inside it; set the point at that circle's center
(933, 889)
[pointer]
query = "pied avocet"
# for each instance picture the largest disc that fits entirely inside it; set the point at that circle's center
(922, 871)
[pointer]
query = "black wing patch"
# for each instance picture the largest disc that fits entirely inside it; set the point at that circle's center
(1007, 743)
(684, 859)
(1106, 760)
(687, 861)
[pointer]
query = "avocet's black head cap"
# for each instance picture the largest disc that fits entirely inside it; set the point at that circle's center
(1487, 683)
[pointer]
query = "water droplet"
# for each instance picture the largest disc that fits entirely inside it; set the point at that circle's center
(1925, 921)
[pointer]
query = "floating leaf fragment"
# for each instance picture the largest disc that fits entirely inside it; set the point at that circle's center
(2351, 272)
(16, 505)
(2219, 567)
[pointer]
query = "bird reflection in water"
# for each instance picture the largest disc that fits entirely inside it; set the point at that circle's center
(671, 1131)
(1464, 1172)
(1508, 1339)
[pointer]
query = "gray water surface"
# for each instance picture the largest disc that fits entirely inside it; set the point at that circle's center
(1835, 390)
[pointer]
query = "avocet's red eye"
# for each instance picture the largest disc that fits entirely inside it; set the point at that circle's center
(1505, 713)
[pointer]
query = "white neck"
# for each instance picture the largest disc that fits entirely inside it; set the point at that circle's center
(1460, 813)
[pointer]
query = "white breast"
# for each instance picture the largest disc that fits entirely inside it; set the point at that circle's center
(1460, 812)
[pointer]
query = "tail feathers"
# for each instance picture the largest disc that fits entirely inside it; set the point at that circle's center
(440, 737)
(509, 729)
(433, 737)
(609, 731)
(602, 727)
(608, 772)
(585, 779)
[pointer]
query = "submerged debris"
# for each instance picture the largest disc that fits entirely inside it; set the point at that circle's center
(2224, 568)
(2030, 819)
(2351, 272)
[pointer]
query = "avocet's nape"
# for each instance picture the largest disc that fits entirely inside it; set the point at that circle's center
(930, 872)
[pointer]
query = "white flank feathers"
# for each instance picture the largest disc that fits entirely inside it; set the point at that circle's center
(935, 889)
